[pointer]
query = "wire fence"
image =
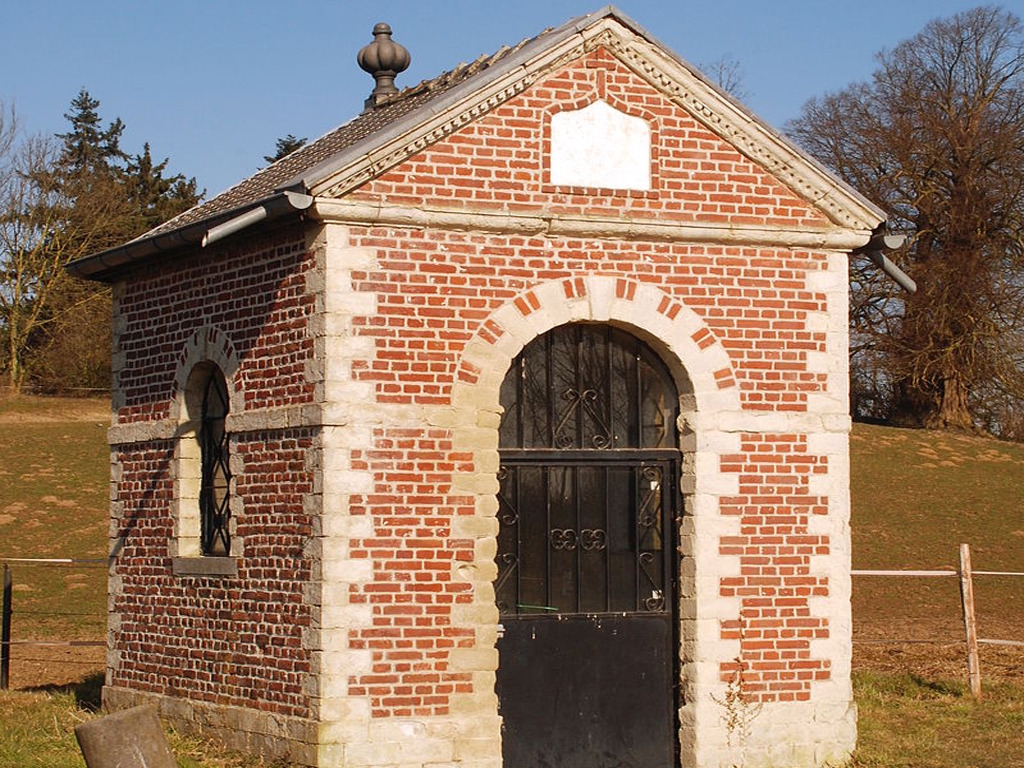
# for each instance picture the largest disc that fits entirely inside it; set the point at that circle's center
(970, 640)
(7, 613)
(965, 573)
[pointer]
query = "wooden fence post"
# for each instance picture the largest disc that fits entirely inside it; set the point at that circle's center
(5, 631)
(970, 622)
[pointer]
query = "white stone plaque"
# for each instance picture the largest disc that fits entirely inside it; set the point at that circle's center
(599, 146)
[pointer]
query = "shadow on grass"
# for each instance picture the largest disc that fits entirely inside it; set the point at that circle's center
(908, 685)
(940, 687)
(87, 691)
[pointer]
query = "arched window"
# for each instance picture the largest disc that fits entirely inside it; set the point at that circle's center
(214, 491)
(204, 508)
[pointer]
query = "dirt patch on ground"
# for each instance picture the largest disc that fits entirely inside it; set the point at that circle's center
(21, 409)
(42, 666)
(938, 660)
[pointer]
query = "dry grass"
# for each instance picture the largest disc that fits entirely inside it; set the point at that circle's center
(916, 496)
(54, 496)
(37, 729)
(913, 721)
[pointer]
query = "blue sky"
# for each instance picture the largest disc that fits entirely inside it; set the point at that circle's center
(213, 84)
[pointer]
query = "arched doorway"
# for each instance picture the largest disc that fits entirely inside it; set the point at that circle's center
(587, 554)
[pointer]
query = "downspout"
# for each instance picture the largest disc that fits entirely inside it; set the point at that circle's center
(289, 200)
(881, 241)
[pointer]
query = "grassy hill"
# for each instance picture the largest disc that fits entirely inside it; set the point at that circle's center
(916, 496)
(54, 496)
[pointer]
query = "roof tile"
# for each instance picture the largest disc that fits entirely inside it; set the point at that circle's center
(269, 180)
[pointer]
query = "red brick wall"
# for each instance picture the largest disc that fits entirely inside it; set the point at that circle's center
(228, 640)
(435, 288)
(235, 640)
(414, 558)
(254, 292)
(775, 626)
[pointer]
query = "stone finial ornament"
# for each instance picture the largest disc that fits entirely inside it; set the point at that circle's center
(384, 59)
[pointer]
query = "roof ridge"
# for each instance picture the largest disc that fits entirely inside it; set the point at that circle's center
(462, 69)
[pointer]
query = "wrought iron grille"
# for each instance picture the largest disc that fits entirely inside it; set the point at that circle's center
(214, 496)
(584, 538)
(588, 387)
(588, 477)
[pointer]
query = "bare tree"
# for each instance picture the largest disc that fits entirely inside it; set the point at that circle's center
(37, 239)
(62, 198)
(937, 138)
(727, 73)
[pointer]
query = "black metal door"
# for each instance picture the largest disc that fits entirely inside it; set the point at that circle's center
(587, 555)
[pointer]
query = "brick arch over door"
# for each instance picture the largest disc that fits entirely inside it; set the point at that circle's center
(704, 377)
(698, 361)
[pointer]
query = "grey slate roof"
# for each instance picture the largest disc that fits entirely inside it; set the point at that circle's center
(292, 171)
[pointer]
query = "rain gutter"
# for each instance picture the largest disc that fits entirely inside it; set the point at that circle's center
(100, 266)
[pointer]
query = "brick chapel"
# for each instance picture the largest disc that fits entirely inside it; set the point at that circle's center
(504, 425)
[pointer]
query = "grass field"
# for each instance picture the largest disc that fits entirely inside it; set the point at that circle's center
(916, 496)
(54, 496)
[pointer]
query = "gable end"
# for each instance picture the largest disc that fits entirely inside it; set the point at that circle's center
(679, 82)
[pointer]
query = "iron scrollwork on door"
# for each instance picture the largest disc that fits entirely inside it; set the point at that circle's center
(587, 387)
(593, 540)
(586, 401)
(607, 555)
(563, 538)
(649, 508)
(587, 539)
(587, 482)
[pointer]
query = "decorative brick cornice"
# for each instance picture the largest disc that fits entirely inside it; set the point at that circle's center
(375, 164)
(752, 138)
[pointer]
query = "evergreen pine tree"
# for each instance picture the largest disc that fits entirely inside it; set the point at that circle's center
(155, 198)
(87, 147)
(285, 146)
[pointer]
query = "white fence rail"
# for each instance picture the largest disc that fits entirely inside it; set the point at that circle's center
(972, 641)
